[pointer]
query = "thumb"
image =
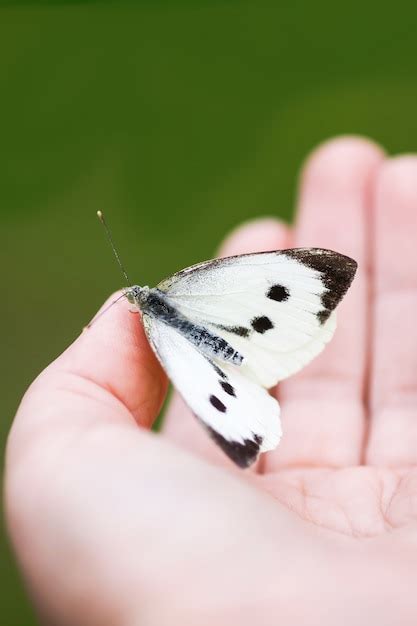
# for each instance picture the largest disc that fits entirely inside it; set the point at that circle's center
(109, 373)
(115, 355)
(75, 438)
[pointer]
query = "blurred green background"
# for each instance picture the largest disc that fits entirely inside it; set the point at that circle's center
(179, 120)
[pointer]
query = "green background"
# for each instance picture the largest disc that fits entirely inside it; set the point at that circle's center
(179, 120)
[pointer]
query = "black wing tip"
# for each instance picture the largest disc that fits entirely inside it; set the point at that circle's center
(242, 454)
(322, 257)
(337, 270)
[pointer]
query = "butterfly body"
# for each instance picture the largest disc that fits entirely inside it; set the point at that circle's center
(154, 303)
(229, 329)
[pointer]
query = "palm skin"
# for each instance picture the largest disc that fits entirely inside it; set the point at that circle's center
(115, 525)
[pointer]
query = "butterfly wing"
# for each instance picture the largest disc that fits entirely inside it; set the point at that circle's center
(275, 308)
(240, 415)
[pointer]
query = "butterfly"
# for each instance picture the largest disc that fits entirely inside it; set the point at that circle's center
(229, 329)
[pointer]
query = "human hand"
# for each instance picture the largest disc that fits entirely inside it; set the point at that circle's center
(114, 525)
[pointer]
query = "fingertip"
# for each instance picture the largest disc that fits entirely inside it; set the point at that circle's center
(267, 233)
(397, 178)
(110, 331)
(343, 160)
(115, 354)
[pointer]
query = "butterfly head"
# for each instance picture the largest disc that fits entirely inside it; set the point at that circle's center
(137, 295)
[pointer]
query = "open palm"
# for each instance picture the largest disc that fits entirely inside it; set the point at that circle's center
(115, 525)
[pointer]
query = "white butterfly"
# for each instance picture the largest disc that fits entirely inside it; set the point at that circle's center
(229, 329)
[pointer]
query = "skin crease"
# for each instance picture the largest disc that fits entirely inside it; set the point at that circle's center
(113, 525)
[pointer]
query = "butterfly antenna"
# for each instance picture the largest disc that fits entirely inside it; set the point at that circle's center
(113, 247)
(94, 320)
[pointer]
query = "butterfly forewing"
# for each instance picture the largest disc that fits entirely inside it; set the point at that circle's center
(276, 308)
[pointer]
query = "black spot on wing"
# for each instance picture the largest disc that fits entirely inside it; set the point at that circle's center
(218, 370)
(323, 315)
(261, 324)
(279, 293)
(218, 404)
(228, 388)
(241, 331)
(337, 272)
(243, 454)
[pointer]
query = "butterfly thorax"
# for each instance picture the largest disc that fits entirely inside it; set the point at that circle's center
(137, 295)
(151, 301)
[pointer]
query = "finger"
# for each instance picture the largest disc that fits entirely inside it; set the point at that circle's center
(393, 429)
(110, 367)
(180, 424)
(78, 415)
(322, 408)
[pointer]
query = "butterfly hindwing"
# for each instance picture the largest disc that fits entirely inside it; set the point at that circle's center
(275, 308)
(240, 415)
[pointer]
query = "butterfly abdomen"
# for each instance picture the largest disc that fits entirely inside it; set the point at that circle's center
(209, 344)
